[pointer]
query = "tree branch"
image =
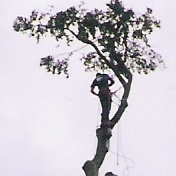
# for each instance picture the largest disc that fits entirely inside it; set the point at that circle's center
(123, 104)
(109, 64)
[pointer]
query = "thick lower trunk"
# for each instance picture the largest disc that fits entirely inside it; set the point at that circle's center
(91, 168)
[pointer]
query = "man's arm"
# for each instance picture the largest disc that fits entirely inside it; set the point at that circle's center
(92, 91)
(93, 87)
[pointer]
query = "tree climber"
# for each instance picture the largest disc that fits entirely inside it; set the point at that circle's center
(103, 82)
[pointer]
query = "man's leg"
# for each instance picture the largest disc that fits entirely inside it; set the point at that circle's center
(105, 110)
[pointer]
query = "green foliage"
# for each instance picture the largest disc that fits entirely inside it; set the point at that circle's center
(51, 65)
(118, 36)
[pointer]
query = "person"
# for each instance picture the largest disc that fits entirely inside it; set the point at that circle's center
(103, 82)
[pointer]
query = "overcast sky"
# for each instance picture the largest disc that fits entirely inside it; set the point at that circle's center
(48, 123)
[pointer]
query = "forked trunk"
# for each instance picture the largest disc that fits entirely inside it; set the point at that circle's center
(91, 168)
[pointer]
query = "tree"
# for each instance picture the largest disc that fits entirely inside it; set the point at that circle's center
(119, 41)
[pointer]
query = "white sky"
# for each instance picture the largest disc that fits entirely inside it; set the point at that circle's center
(48, 122)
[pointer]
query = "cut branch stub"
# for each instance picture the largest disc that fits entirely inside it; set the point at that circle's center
(91, 168)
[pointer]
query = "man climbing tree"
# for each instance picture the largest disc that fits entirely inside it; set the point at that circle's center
(102, 82)
(119, 39)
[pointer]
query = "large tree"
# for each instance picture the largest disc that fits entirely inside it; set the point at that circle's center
(119, 41)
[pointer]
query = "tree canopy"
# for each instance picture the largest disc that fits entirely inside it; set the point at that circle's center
(118, 36)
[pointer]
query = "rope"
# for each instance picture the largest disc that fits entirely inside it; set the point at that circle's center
(118, 142)
(71, 52)
(122, 155)
(114, 94)
(78, 49)
(126, 161)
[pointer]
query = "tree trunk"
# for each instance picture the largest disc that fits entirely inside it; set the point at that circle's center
(91, 168)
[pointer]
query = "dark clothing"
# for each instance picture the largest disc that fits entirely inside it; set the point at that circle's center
(105, 99)
(102, 82)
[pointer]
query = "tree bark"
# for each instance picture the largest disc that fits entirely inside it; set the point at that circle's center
(91, 168)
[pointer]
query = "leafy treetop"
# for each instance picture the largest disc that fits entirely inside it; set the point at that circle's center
(118, 36)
